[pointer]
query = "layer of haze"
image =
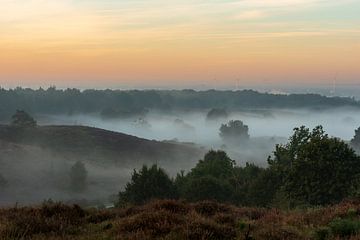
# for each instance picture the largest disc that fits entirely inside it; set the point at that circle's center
(111, 43)
(27, 168)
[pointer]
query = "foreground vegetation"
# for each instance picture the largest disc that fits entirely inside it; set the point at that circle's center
(311, 169)
(170, 219)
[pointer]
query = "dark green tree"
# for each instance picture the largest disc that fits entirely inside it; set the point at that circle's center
(315, 168)
(209, 179)
(234, 132)
(78, 177)
(147, 184)
(208, 188)
(355, 141)
(22, 119)
(216, 164)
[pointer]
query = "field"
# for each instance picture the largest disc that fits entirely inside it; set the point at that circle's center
(169, 219)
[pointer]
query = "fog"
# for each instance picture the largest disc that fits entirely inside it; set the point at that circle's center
(194, 127)
(35, 174)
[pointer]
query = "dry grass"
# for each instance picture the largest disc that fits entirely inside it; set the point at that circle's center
(170, 219)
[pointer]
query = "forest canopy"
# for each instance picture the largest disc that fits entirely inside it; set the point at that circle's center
(114, 102)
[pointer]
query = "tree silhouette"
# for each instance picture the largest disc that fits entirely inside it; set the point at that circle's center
(235, 131)
(148, 183)
(22, 119)
(315, 168)
(355, 141)
(78, 176)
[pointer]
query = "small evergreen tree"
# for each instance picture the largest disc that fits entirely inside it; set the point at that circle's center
(78, 177)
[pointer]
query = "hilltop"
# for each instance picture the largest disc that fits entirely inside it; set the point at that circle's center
(99, 146)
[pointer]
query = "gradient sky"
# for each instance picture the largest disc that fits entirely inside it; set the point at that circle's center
(117, 43)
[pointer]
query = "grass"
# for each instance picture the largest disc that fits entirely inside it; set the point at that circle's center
(169, 219)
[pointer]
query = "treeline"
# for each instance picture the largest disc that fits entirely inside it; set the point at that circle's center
(126, 103)
(311, 169)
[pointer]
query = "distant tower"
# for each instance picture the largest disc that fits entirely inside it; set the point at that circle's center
(237, 84)
(333, 91)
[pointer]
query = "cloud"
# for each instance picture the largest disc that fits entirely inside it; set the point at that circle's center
(250, 15)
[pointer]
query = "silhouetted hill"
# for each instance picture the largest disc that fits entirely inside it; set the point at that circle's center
(98, 145)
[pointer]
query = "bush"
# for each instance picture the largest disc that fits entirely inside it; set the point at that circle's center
(344, 227)
(208, 188)
(322, 233)
(147, 184)
(22, 119)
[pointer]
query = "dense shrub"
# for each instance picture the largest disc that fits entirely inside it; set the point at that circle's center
(344, 227)
(148, 183)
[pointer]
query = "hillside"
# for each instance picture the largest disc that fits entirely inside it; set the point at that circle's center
(99, 146)
(43, 156)
(170, 219)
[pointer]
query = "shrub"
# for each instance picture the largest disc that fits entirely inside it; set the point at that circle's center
(22, 119)
(147, 184)
(344, 227)
(322, 233)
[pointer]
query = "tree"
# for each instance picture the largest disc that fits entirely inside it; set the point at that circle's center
(22, 119)
(216, 114)
(355, 141)
(78, 177)
(216, 164)
(234, 132)
(209, 179)
(148, 183)
(315, 168)
(208, 188)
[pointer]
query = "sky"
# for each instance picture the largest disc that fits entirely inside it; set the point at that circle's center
(172, 43)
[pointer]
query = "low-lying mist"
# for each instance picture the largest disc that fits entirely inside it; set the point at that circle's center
(194, 127)
(35, 174)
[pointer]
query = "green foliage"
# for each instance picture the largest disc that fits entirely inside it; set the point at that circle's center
(22, 119)
(208, 188)
(78, 176)
(209, 179)
(315, 168)
(216, 164)
(344, 227)
(355, 141)
(234, 132)
(322, 233)
(147, 184)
